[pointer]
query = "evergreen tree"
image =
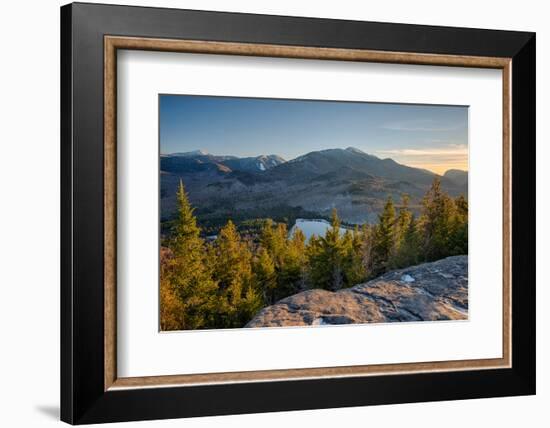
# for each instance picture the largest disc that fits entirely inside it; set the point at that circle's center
(384, 239)
(326, 263)
(462, 207)
(437, 222)
(232, 270)
(313, 255)
(172, 311)
(274, 239)
(408, 253)
(288, 255)
(292, 269)
(459, 240)
(185, 236)
(353, 268)
(403, 221)
(225, 283)
(266, 277)
(187, 291)
(334, 251)
(366, 241)
(405, 232)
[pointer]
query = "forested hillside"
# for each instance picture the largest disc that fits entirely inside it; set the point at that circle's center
(357, 184)
(224, 282)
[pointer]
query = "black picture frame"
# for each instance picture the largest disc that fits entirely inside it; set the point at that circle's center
(83, 398)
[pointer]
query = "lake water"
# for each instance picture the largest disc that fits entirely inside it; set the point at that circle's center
(313, 227)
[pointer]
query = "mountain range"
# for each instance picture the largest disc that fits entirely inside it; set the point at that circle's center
(457, 176)
(199, 160)
(246, 188)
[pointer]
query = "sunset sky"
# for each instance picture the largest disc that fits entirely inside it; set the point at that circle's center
(423, 136)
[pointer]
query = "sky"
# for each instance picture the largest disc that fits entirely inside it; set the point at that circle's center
(423, 136)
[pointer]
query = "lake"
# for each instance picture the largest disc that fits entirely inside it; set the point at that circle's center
(313, 227)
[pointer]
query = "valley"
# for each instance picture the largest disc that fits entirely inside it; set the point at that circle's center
(357, 184)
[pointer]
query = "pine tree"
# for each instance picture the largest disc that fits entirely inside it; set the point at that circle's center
(292, 270)
(437, 222)
(274, 239)
(384, 238)
(172, 312)
(326, 263)
(334, 250)
(232, 270)
(171, 307)
(298, 240)
(403, 221)
(462, 207)
(313, 258)
(266, 277)
(405, 233)
(188, 293)
(223, 284)
(354, 270)
(408, 253)
(459, 240)
(288, 255)
(366, 241)
(185, 236)
(299, 245)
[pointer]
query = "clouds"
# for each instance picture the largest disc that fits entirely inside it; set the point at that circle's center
(412, 134)
(446, 149)
(423, 125)
(437, 157)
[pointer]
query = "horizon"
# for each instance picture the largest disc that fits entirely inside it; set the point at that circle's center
(420, 136)
(208, 153)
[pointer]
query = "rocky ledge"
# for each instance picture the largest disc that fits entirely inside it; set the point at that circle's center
(426, 292)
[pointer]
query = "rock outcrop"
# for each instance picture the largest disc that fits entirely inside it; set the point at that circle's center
(426, 292)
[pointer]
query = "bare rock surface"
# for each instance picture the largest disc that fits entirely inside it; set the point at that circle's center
(425, 292)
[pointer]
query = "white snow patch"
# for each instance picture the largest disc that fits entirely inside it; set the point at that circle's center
(407, 278)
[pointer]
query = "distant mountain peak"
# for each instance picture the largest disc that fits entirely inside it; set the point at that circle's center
(198, 152)
(359, 152)
(270, 157)
(265, 162)
(355, 150)
(455, 171)
(202, 160)
(458, 176)
(354, 182)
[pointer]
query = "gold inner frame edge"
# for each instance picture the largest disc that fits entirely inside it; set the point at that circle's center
(113, 43)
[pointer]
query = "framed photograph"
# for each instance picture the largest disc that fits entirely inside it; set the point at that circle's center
(266, 213)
